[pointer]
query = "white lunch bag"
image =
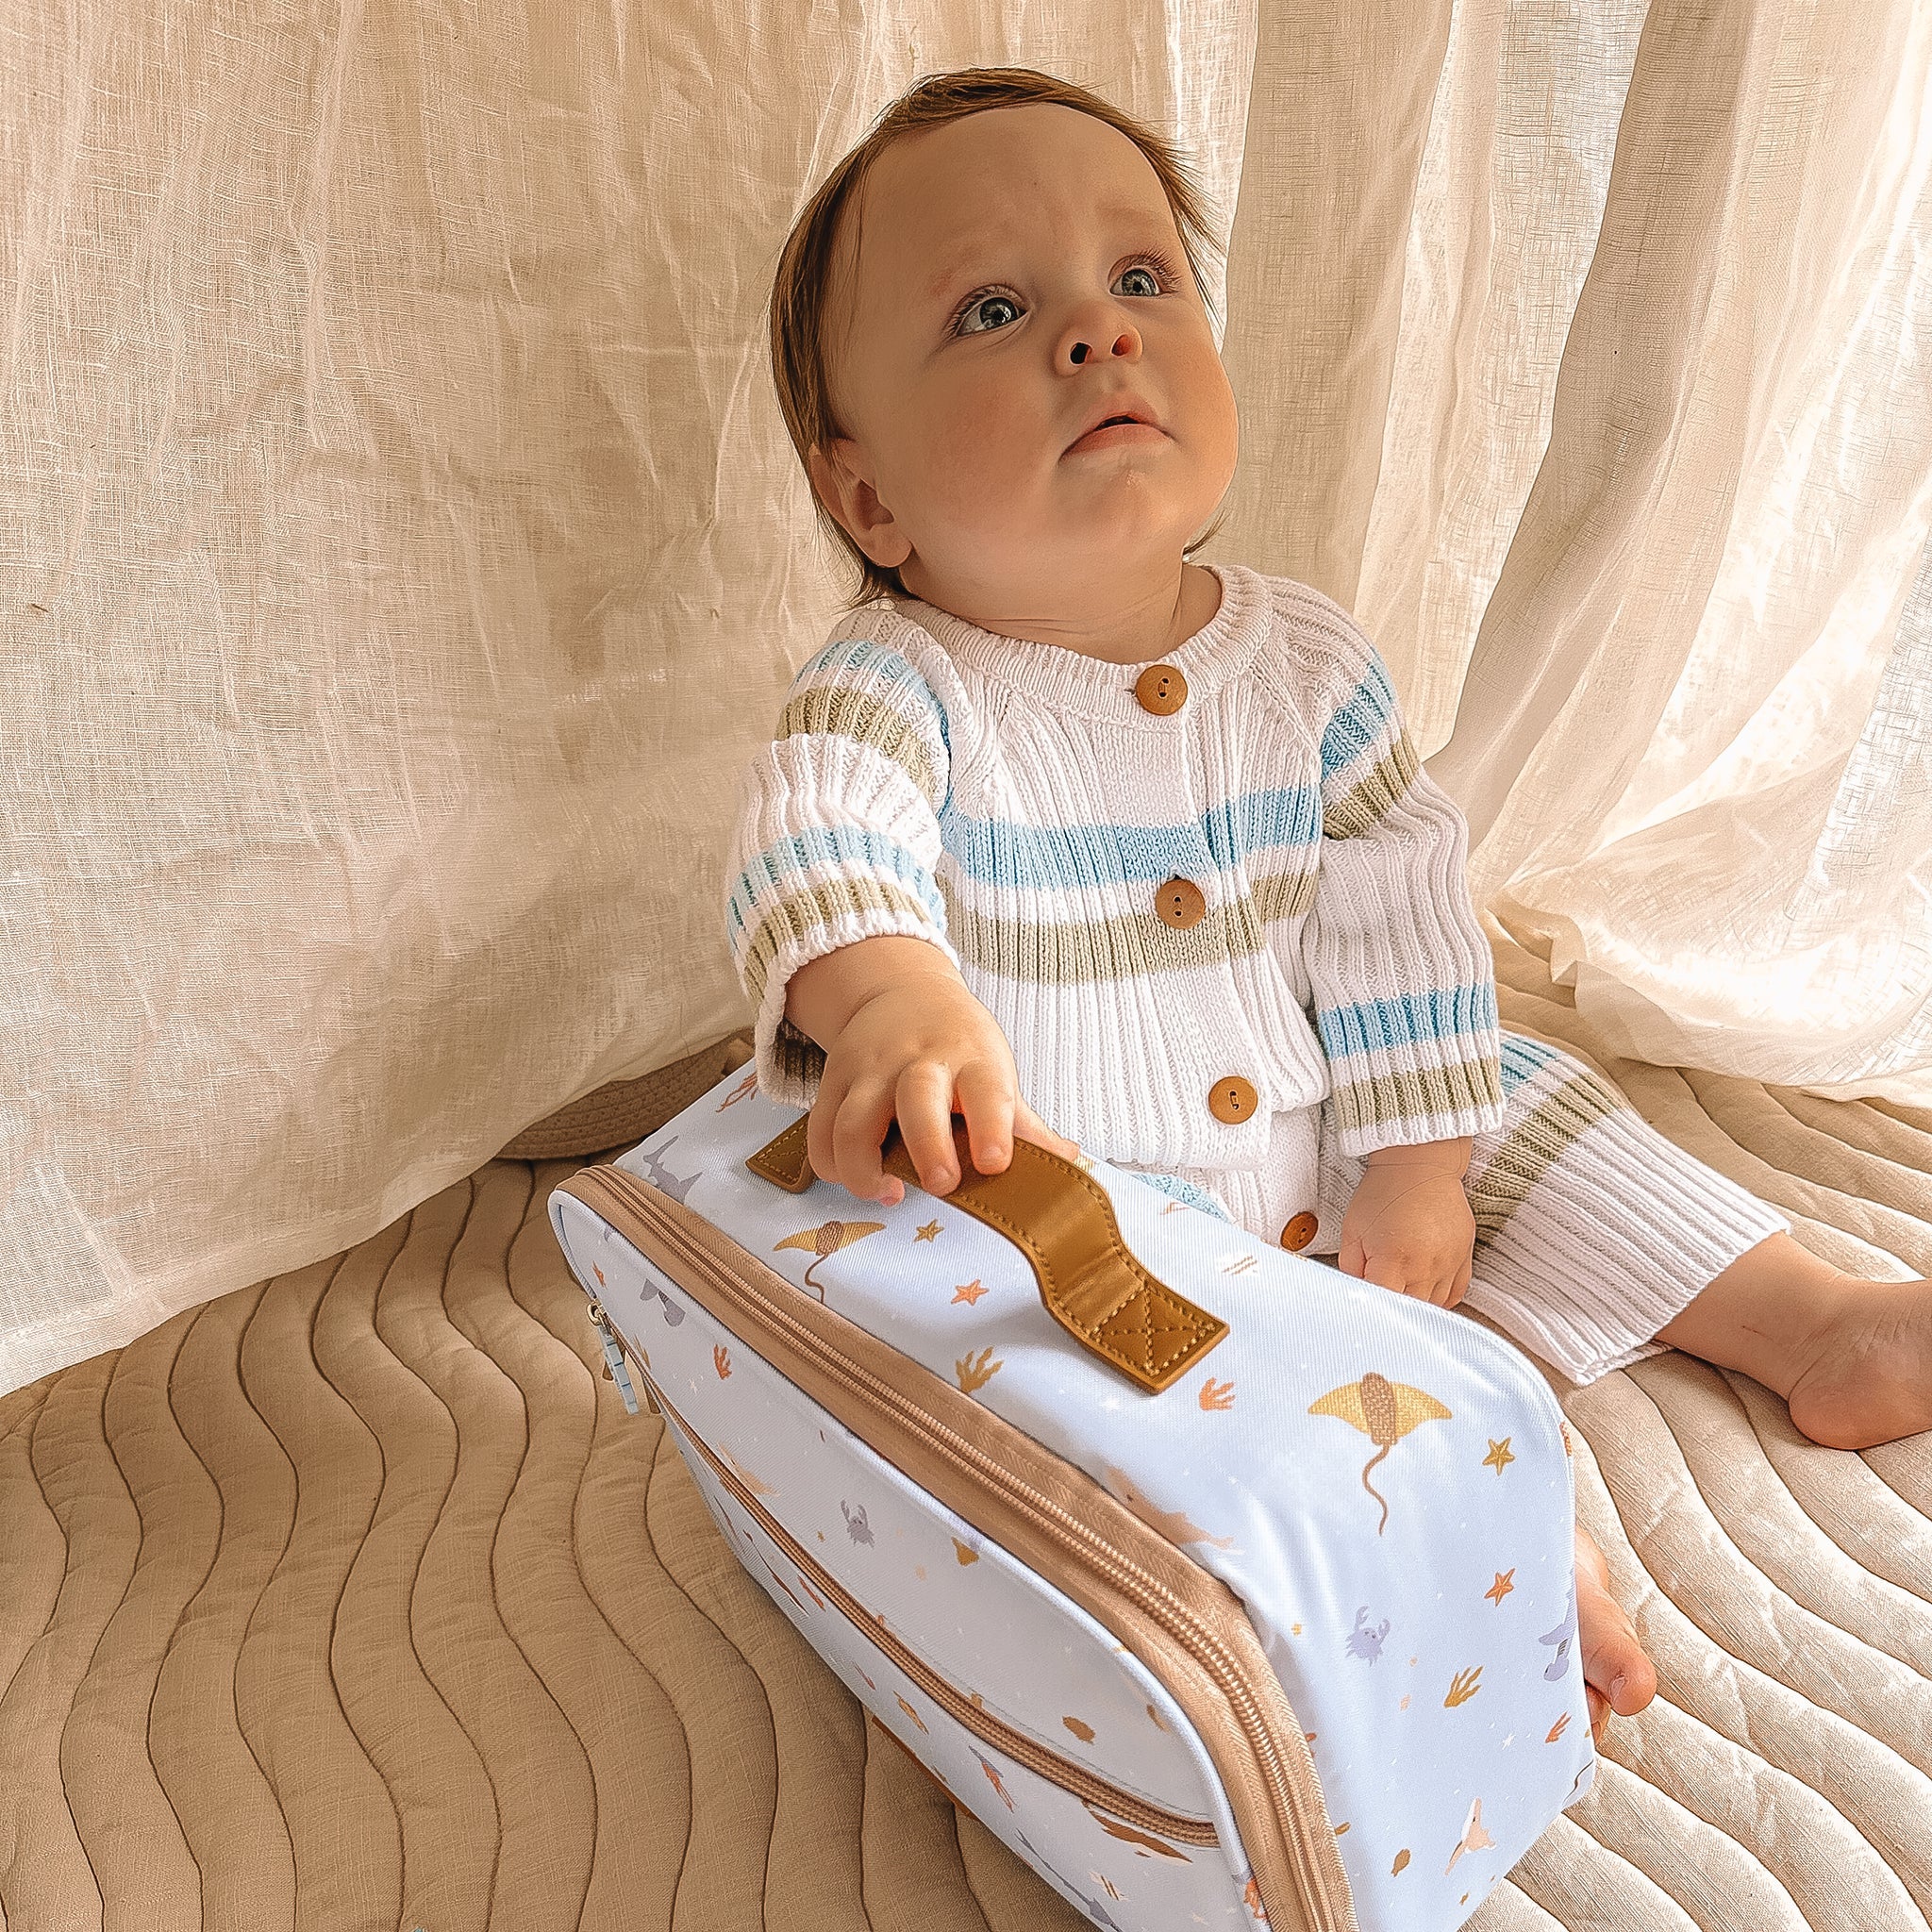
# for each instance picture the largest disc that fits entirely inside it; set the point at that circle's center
(1225, 1588)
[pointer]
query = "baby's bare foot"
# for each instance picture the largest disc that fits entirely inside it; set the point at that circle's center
(1870, 1378)
(1617, 1672)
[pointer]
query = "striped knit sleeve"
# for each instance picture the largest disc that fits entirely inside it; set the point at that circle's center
(836, 839)
(1403, 980)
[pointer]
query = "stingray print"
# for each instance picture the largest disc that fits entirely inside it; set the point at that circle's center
(1363, 1641)
(857, 1528)
(1384, 1411)
(661, 1177)
(824, 1241)
(1561, 1637)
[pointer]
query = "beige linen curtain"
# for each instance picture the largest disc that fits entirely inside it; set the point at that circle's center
(403, 551)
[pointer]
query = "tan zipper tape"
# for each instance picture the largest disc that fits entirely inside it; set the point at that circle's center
(1185, 1624)
(1086, 1785)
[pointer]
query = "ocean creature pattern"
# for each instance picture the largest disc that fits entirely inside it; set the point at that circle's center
(1384, 1411)
(677, 1186)
(1473, 1839)
(1363, 1641)
(1175, 1524)
(902, 1562)
(1561, 1637)
(824, 1241)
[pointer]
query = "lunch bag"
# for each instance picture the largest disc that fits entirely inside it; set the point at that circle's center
(1223, 1587)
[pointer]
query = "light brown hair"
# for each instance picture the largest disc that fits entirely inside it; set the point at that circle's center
(800, 287)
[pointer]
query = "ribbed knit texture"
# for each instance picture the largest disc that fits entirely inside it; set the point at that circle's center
(1014, 803)
(1016, 806)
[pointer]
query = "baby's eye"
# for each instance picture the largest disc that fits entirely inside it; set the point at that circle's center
(976, 305)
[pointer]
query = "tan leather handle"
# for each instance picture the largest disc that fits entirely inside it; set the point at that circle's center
(1061, 1219)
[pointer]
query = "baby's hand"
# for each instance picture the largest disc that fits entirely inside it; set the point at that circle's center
(1408, 1227)
(920, 1049)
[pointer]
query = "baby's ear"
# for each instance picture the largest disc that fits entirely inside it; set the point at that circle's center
(839, 475)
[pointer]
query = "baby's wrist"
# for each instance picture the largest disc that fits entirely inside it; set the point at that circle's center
(1449, 1159)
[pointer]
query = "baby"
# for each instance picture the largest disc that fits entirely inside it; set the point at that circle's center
(1066, 820)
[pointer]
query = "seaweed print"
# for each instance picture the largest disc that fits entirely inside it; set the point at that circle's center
(661, 1177)
(857, 1528)
(1384, 1411)
(747, 1086)
(824, 1241)
(1363, 1641)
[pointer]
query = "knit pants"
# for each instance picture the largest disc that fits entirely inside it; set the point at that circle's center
(1592, 1230)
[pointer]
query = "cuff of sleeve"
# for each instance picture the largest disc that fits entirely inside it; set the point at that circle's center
(1406, 1106)
(790, 1063)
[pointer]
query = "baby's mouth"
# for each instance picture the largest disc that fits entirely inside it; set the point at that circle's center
(1116, 431)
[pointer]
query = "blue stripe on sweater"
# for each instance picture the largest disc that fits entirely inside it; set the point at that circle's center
(777, 866)
(1523, 1059)
(1174, 1186)
(1067, 858)
(1409, 1020)
(1359, 721)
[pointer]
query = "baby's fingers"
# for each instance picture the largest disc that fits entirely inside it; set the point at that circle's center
(988, 1100)
(925, 1122)
(857, 1137)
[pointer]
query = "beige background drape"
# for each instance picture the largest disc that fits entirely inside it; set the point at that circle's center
(402, 548)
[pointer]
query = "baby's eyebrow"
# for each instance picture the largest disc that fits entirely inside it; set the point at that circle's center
(1124, 216)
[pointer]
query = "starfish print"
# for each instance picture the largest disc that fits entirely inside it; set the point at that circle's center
(930, 1232)
(1499, 1454)
(1500, 1587)
(969, 1292)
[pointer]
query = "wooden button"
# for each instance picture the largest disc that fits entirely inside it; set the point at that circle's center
(1161, 689)
(1299, 1232)
(1180, 903)
(1232, 1100)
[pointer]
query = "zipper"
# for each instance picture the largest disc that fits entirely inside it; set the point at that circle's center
(633, 1200)
(1085, 1785)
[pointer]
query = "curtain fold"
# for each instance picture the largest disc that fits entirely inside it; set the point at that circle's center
(405, 551)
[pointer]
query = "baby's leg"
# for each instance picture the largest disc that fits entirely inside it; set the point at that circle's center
(1851, 1357)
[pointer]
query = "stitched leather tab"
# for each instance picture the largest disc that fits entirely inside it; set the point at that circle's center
(783, 1160)
(1062, 1220)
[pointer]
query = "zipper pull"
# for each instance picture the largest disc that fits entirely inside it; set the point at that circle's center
(615, 1368)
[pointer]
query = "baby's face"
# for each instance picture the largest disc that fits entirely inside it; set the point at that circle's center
(1016, 271)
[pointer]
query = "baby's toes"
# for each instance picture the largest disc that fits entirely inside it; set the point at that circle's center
(1614, 1661)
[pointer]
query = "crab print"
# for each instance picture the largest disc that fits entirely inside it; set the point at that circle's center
(1365, 1642)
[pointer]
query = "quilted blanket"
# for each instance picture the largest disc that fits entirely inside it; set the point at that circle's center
(355, 1599)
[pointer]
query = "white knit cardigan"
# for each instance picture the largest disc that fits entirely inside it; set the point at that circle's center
(1014, 803)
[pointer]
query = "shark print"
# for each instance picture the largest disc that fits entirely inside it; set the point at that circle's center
(1091, 1906)
(1561, 1637)
(1474, 1839)
(661, 1177)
